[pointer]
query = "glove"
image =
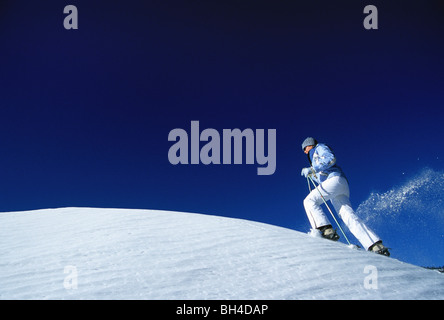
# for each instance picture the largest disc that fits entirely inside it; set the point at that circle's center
(306, 172)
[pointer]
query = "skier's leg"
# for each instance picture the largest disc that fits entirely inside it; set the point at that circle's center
(343, 207)
(315, 214)
(312, 203)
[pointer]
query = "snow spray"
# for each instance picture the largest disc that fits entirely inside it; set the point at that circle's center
(410, 217)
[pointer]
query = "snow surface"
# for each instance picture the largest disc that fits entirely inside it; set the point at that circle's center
(90, 253)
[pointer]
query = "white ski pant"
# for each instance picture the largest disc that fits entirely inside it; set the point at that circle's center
(337, 191)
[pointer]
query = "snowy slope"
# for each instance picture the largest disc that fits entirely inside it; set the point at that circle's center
(86, 253)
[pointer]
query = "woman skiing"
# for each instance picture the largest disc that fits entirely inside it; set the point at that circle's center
(333, 186)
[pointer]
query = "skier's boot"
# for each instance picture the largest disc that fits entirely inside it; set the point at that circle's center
(329, 233)
(379, 248)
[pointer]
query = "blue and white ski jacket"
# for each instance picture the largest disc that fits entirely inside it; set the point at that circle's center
(323, 162)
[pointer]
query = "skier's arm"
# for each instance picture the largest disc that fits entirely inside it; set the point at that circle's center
(323, 159)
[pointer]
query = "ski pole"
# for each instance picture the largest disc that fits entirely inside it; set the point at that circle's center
(325, 202)
(308, 182)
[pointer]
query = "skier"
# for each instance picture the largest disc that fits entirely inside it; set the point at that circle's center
(333, 186)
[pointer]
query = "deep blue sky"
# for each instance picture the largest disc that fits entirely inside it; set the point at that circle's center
(85, 114)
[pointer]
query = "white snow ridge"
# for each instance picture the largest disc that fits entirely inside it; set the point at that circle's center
(86, 253)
